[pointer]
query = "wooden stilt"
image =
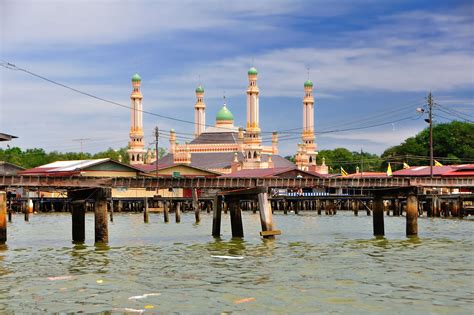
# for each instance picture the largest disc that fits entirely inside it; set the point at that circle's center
(112, 210)
(225, 206)
(9, 210)
(216, 217)
(285, 207)
(197, 214)
(266, 217)
(412, 215)
(318, 206)
(145, 210)
(236, 219)
(377, 210)
(208, 207)
(120, 206)
(25, 211)
(78, 221)
(100, 217)
(297, 206)
(3, 218)
(166, 215)
(177, 212)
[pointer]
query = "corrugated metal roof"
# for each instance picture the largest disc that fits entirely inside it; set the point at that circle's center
(437, 170)
(215, 138)
(367, 174)
(6, 137)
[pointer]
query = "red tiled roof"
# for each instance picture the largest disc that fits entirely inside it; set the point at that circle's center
(268, 172)
(455, 170)
(367, 174)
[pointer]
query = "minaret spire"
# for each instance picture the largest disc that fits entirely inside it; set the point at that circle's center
(137, 147)
(199, 111)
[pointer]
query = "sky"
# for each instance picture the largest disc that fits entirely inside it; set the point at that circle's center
(372, 63)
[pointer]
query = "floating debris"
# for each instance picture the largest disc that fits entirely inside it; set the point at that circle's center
(228, 257)
(128, 310)
(60, 278)
(137, 297)
(100, 281)
(149, 307)
(246, 300)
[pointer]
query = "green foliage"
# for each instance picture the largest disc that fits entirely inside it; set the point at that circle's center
(341, 157)
(30, 158)
(452, 143)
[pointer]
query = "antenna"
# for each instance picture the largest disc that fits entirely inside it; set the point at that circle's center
(81, 140)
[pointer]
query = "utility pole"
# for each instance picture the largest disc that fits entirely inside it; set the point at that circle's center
(156, 134)
(81, 140)
(430, 104)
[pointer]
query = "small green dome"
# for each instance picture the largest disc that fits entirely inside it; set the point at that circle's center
(253, 70)
(200, 89)
(308, 83)
(224, 114)
(136, 77)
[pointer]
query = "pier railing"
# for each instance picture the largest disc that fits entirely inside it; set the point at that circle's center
(196, 182)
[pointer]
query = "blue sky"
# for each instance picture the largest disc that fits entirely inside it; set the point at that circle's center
(371, 62)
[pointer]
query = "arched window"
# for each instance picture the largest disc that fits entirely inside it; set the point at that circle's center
(310, 159)
(255, 154)
(250, 155)
(133, 157)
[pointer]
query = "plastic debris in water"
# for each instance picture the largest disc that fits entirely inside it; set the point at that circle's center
(137, 297)
(128, 310)
(100, 281)
(60, 278)
(246, 300)
(149, 307)
(228, 257)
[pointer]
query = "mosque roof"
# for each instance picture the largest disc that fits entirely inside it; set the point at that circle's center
(215, 137)
(253, 70)
(136, 77)
(308, 83)
(224, 114)
(215, 160)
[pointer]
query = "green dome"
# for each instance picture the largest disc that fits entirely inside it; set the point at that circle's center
(224, 114)
(136, 77)
(199, 89)
(253, 71)
(308, 83)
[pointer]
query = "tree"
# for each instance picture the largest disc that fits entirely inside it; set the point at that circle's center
(452, 143)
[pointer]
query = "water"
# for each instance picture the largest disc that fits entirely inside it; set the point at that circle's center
(319, 264)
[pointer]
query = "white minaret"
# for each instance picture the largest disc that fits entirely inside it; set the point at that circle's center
(199, 112)
(252, 139)
(307, 135)
(136, 152)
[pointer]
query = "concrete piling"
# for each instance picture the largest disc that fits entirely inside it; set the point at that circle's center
(177, 212)
(166, 215)
(216, 217)
(196, 207)
(236, 219)
(100, 217)
(146, 216)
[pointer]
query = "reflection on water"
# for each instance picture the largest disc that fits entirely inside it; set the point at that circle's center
(319, 264)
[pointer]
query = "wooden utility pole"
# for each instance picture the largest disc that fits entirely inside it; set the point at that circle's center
(430, 104)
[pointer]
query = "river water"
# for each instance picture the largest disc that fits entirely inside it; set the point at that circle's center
(320, 264)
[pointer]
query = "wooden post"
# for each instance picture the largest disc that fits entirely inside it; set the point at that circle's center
(318, 206)
(208, 207)
(377, 210)
(78, 221)
(297, 206)
(216, 217)
(100, 216)
(112, 210)
(196, 208)
(177, 212)
(145, 210)
(120, 206)
(3, 218)
(166, 215)
(236, 219)
(285, 206)
(225, 206)
(25, 211)
(412, 214)
(355, 207)
(266, 217)
(9, 209)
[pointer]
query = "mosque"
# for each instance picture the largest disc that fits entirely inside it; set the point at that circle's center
(225, 148)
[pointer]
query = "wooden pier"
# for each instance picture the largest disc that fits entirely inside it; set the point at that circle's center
(383, 195)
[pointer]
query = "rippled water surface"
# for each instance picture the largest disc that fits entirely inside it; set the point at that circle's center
(319, 264)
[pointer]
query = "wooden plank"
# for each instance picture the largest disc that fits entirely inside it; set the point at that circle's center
(270, 233)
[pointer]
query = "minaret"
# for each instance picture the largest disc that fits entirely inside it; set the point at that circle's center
(199, 112)
(253, 128)
(252, 140)
(308, 117)
(136, 152)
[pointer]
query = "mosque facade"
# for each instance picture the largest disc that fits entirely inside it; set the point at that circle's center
(224, 147)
